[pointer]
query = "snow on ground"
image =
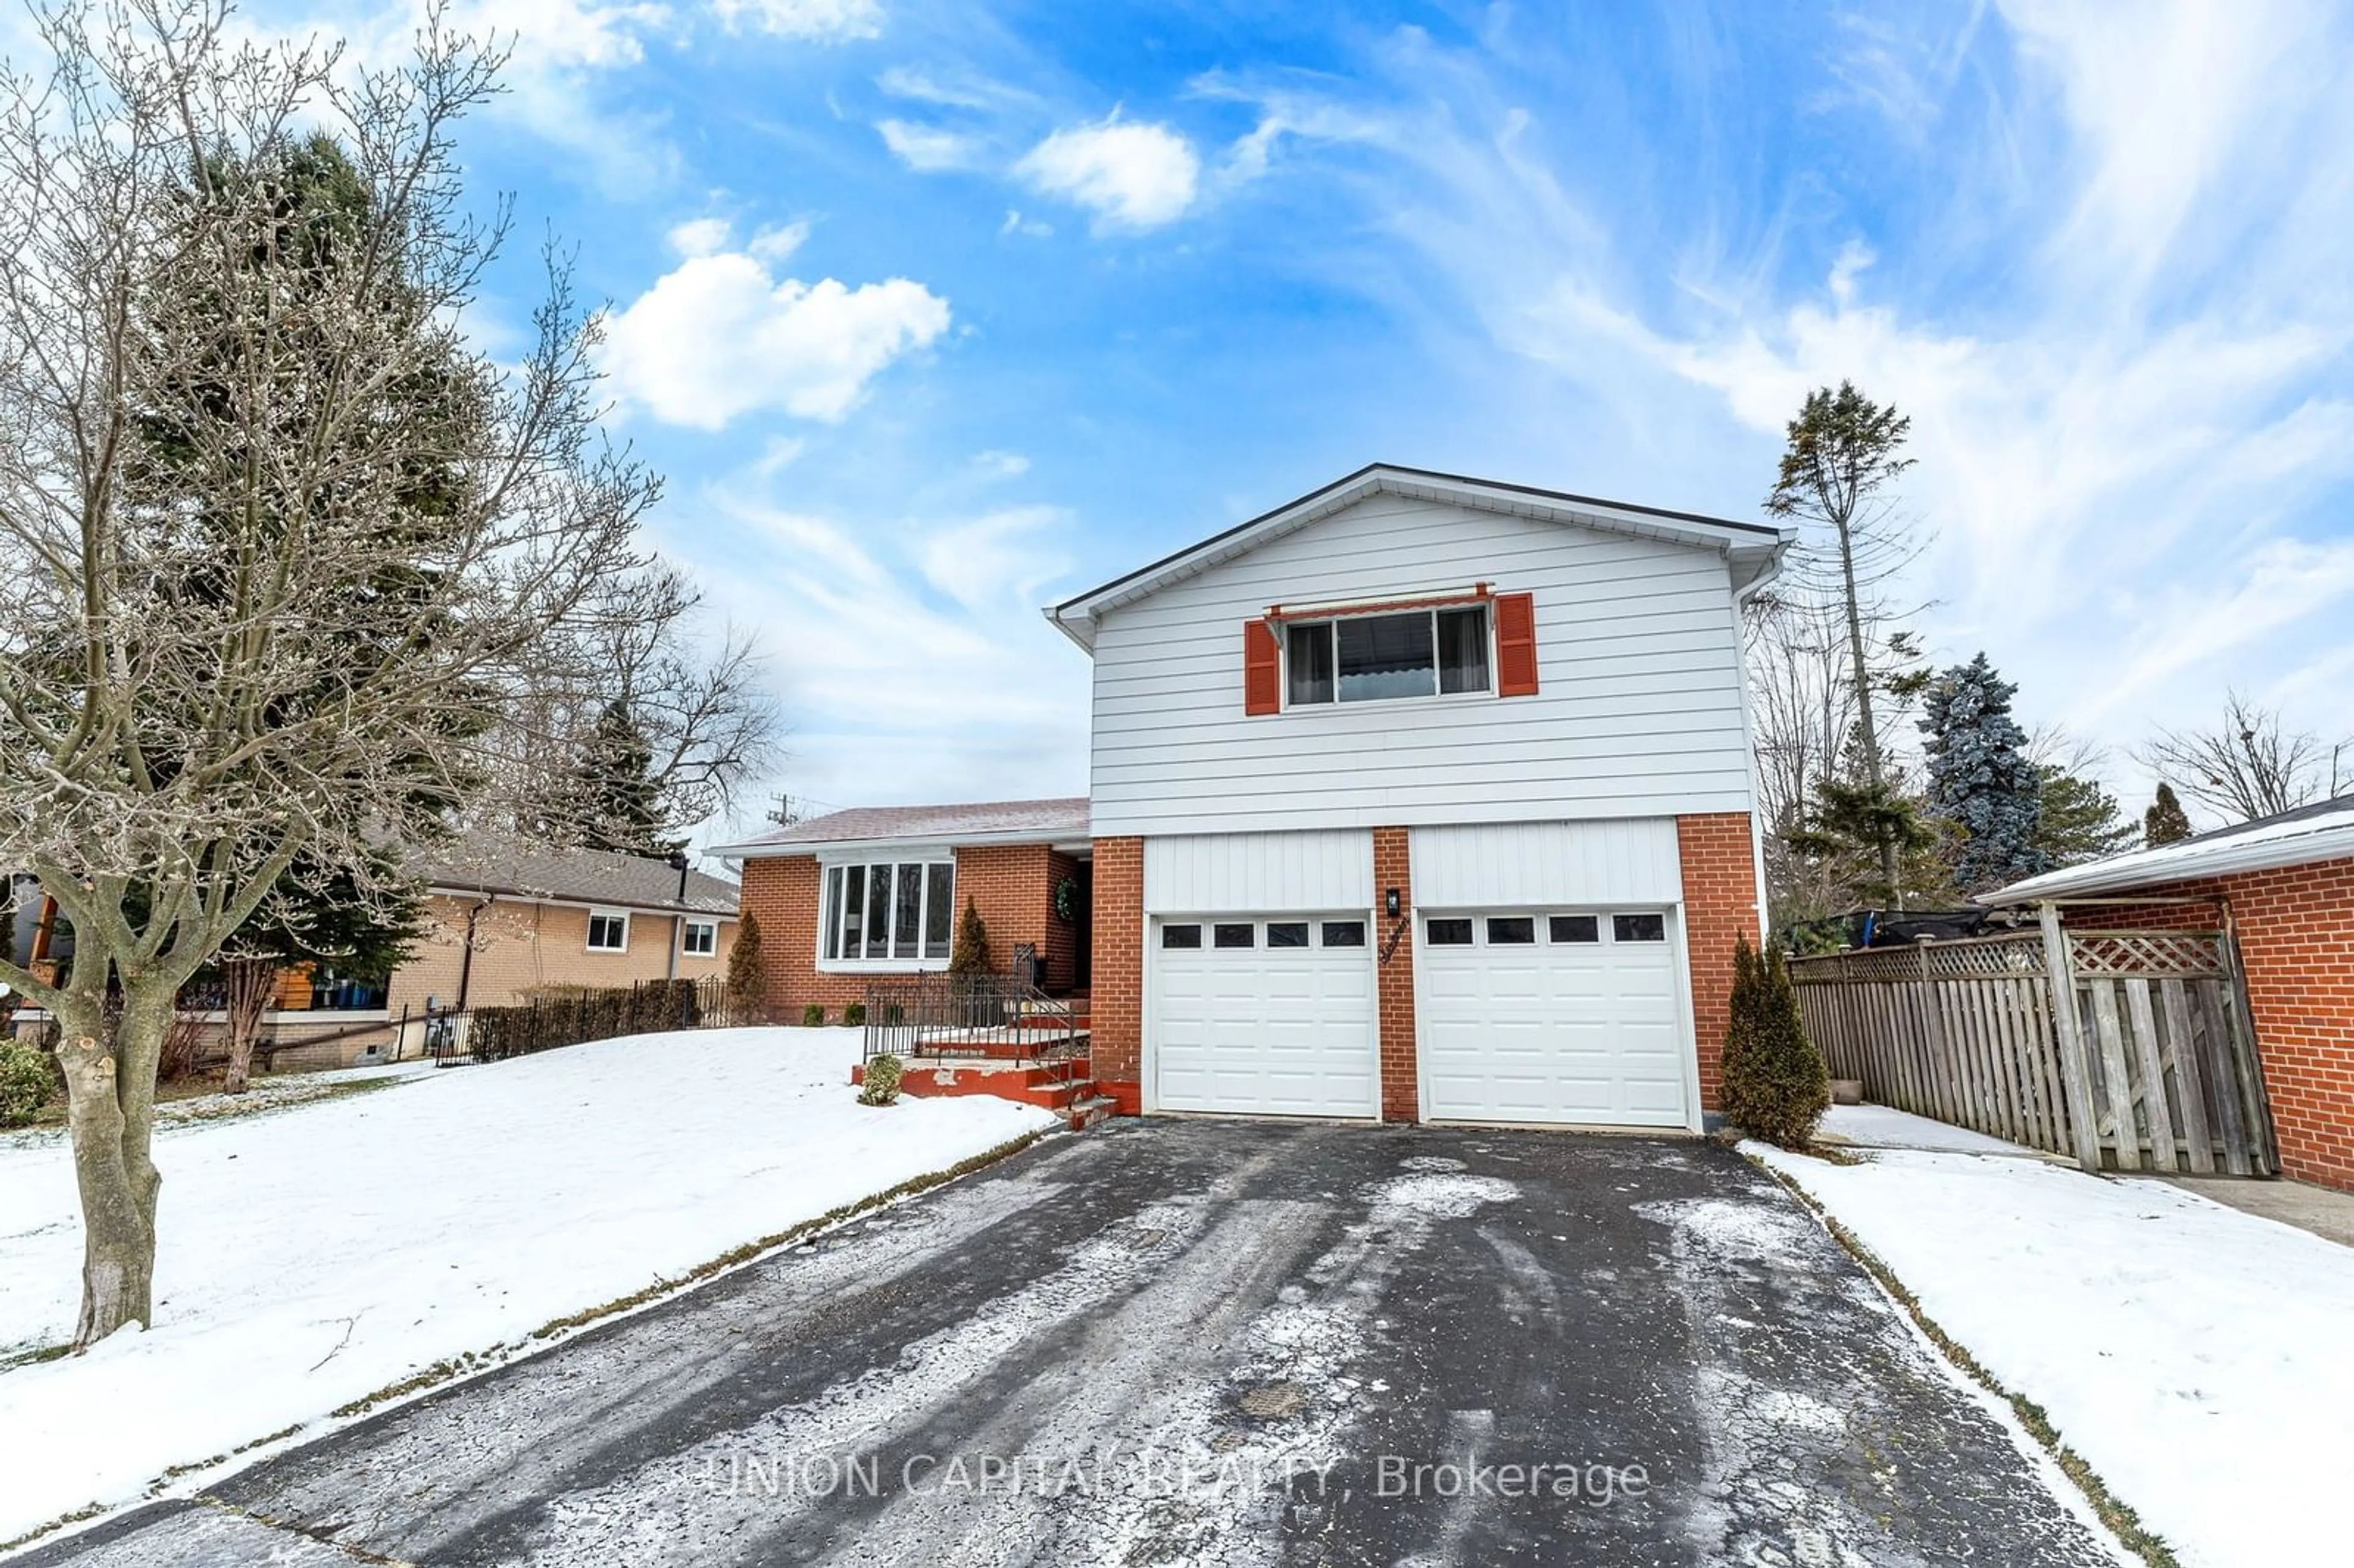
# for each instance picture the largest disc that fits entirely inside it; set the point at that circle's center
(2197, 1357)
(315, 1256)
(266, 1094)
(1885, 1127)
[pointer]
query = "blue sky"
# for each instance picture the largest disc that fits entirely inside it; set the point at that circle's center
(932, 313)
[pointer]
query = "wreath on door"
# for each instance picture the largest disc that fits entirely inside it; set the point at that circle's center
(1066, 900)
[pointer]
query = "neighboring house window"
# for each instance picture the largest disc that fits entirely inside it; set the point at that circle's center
(1369, 658)
(701, 939)
(608, 932)
(889, 911)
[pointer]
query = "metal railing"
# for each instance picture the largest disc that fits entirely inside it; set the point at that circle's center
(999, 1016)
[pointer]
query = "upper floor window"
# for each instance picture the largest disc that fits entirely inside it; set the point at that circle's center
(900, 911)
(1367, 658)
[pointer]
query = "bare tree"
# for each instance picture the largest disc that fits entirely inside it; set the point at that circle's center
(277, 539)
(2248, 765)
(697, 704)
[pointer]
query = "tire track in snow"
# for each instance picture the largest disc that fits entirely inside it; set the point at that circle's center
(688, 1506)
(1183, 1404)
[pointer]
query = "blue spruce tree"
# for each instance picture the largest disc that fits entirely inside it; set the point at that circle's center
(1980, 778)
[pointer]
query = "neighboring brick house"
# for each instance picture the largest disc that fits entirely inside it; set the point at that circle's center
(504, 920)
(1418, 798)
(858, 895)
(2284, 888)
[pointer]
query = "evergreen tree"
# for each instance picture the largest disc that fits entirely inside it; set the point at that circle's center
(1849, 835)
(1775, 1085)
(970, 955)
(2078, 821)
(612, 800)
(1980, 778)
(2166, 823)
(746, 975)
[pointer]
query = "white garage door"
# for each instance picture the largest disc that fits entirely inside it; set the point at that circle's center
(1552, 1016)
(1264, 1015)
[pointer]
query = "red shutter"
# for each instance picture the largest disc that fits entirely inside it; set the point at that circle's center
(1516, 645)
(1262, 670)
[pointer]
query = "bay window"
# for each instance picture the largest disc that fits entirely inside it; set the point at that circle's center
(1367, 658)
(897, 912)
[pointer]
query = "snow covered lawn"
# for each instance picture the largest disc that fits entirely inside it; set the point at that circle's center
(317, 1255)
(2197, 1357)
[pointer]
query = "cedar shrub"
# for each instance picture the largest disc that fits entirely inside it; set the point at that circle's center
(1775, 1085)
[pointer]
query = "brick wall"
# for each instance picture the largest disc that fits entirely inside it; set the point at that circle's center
(1118, 1005)
(1720, 880)
(1394, 983)
(2295, 929)
(521, 947)
(1012, 885)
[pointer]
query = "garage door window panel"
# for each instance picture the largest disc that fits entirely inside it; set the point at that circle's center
(1638, 927)
(1180, 937)
(1510, 930)
(1344, 933)
(1235, 936)
(1447, 933)
(1574, 928)
(1287, 933)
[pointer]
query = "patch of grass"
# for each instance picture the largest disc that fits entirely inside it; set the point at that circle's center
(734, 1257)
(60, 1522)
(35, 1356)
(2113, 1511)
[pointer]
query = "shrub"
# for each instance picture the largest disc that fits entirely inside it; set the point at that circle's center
(970, 955)
(747, 979)
(882, 1086)
(28, 1079)
(1775, 1085)
(854, 1015)
(813, 1015)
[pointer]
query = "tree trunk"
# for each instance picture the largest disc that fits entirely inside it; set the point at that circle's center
(252, 985)
(1867, 722)
(111, 1091)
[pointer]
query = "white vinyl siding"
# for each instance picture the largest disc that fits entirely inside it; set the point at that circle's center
(1525, 863)
(1231, 873)
(1639, 711)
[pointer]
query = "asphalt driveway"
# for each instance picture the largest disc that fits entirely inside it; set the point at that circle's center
(1208, 1342)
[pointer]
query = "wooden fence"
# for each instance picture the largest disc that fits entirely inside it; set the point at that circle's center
(2144, 1059)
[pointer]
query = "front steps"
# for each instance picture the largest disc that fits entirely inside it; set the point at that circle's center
(1065, 1086)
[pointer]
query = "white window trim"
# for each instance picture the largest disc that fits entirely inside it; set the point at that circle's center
(686, 947)
(1486, 608)
(891, 966)
(590, 935)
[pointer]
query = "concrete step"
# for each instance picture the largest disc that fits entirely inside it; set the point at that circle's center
(1085, 1113)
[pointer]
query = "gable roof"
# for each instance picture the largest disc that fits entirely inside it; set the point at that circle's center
(2321, 831)
(1061, 820)
(517, 868)
(1753, 545)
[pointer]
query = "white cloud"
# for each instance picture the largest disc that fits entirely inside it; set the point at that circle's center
(914, 666)
(823, 21)
(719, 337)
(1036, 228)
(928, 149)
(1131, 175)
(995, 559)
(777, 244)
(701, 237)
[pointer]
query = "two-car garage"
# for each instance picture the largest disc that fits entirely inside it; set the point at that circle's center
(1545, 960)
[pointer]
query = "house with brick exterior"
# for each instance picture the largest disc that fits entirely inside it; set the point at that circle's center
(503, 920)
(1420, 798)
(857, 896)
(2284, 889)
